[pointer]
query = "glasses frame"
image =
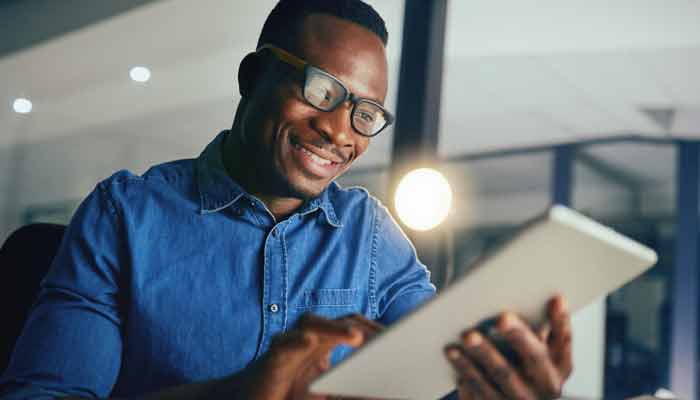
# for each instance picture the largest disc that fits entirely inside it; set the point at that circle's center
(307, 68)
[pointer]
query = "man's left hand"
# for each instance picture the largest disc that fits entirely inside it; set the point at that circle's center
(544, 359)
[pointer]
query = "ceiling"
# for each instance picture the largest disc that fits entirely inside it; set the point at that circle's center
(30, 22)
(516, 73)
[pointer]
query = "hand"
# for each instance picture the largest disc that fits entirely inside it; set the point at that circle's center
(543, 359)
(300, 355)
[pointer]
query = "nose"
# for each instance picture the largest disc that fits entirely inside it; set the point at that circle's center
(334, 126)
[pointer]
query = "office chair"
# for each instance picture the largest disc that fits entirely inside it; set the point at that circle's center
(25, 258)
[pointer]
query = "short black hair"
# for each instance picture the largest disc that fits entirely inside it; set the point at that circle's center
(282, 26)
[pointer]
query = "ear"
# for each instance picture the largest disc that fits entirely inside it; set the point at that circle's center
(248, 73)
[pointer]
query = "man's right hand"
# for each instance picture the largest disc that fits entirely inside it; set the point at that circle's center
(300, 355)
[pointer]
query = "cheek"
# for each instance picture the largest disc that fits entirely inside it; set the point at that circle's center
(361, 146)
(293, 108)
(274, 112)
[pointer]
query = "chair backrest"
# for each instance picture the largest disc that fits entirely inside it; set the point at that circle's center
(25, 258)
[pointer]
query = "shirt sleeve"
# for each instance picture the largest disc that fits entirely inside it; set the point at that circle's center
(71, 343)
(401, 281)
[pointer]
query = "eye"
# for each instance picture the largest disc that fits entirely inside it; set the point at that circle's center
(366, 116)
(319, 93)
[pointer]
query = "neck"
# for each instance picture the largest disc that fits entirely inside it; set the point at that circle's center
(242, 168)
(280, 207)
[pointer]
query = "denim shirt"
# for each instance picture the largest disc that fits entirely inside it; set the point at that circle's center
(179, 275)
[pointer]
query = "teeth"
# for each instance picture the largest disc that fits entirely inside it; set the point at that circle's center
(315, 158)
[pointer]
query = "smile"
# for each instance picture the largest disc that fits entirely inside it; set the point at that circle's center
(313, 163)
(316, 158)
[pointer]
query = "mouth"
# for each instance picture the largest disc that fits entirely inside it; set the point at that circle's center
(315, 162)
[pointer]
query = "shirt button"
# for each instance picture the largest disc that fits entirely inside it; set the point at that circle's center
(274, 308)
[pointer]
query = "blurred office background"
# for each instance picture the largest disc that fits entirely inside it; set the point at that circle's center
(612, 87)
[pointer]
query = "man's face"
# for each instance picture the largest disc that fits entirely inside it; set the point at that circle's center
(299, 149)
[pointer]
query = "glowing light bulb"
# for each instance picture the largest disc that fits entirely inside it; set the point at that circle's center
(22, 106)
(423, 199)
(140, 74)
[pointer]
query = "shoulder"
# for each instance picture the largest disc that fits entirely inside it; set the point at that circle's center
(174, 176)
(169, 173)
(355, 203)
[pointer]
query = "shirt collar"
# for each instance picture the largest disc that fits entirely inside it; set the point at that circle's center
(216, 188)
(218, 191)
(324, 203)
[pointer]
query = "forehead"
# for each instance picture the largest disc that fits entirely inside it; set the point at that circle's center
(349, 51)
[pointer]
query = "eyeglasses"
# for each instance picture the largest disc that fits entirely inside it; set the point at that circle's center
(325, 92)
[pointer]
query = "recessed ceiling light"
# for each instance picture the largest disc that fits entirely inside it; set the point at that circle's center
(140, 74)
(22, 106)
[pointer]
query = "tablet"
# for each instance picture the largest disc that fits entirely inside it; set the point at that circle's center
(561, 252)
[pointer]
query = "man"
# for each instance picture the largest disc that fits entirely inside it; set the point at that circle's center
(236, 275)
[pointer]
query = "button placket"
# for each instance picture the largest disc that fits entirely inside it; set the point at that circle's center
(275, 274)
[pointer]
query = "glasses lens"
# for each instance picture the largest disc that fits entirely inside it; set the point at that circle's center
(322, 91)
(368, 118)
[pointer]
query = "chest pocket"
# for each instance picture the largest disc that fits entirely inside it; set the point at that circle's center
(330, 303)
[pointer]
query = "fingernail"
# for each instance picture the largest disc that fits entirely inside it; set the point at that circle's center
(474, 339)
(356, 335)
(507, 321)
(562, 304)
(452, 353)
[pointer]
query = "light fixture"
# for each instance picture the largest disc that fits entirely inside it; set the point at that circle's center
(423, 199)
(140, 74)
(22, 106)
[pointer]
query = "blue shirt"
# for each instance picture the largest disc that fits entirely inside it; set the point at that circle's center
(179, 275)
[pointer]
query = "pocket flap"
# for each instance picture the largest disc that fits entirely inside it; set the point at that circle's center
(329, 297)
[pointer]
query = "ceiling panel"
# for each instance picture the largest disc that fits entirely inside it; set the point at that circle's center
(686, 123)
(650, 163)
(531, 73)
(676, 70)
(611, 83)
(499, 131)
(480, 27)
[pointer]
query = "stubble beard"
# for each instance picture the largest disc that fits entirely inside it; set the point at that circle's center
(270, 178)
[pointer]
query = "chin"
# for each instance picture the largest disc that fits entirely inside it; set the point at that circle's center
(305, 190)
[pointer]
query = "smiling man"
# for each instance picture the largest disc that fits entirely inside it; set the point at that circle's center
(238, 274)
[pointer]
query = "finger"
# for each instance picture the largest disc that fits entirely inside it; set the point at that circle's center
(543, 333)
(368, 327)
(364, 321)
(470, 381)
(312, 341)
(536, 363)
(350, 331)
(559, 342)
(294, 340)
(497, 368)
(330, 332)
(292, 349)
